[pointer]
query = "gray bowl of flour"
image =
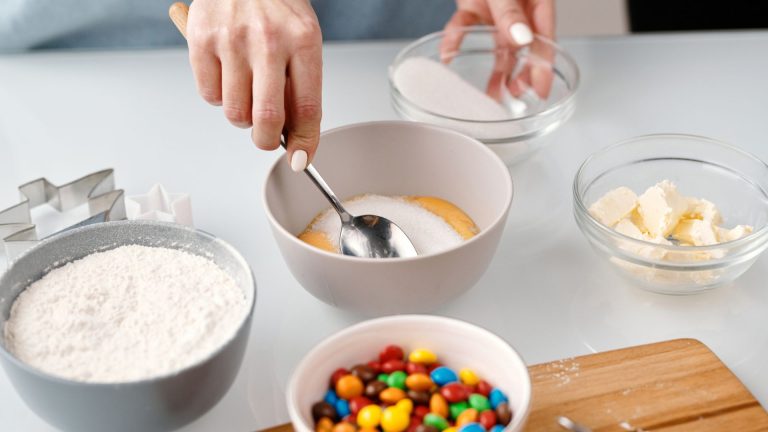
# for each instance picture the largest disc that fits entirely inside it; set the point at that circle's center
(151, 377)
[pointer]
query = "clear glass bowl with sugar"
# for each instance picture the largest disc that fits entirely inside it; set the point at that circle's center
(734, 180)
(479, 61)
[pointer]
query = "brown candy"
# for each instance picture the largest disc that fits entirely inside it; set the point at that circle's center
(365, 372)
(503, 414)
(419, 397)
(323, 409)
(374, 388)
(426, 428)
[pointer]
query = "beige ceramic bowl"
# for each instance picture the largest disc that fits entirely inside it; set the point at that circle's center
(391, 158)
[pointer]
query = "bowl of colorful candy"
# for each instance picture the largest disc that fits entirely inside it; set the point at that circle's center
(508, 97)
(674, 214)
(448, 192)
(411, 373)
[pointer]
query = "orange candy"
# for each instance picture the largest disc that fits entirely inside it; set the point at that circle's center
(419, 382)
(392, 395)
(438, 405)
(469, 415)
(324, 425)
(344, 427)
(349, 386)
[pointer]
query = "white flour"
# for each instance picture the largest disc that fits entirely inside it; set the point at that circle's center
(127, 314)
(428, 232)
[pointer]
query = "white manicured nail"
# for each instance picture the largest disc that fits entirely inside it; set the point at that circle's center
(521, 33)
(299, 160)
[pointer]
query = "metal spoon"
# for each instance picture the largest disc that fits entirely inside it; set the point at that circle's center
(367, 236)
(571, 425)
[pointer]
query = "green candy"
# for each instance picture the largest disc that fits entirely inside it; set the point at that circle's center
(436, 421)
(458, 408)
(383, 377)
(397, 379)
(479, 402)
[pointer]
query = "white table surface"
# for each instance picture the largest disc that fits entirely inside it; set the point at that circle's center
(66, 114)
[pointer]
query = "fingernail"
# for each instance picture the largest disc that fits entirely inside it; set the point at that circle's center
(299, 160)
(521, 33)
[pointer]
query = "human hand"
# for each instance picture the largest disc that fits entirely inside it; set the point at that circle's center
(516, 22)
(261, 60)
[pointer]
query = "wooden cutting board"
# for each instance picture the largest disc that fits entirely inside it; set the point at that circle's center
(677, 385)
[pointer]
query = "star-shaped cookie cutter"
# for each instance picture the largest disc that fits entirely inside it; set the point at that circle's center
(105, 203)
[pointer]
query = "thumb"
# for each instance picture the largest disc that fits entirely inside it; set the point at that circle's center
(510, 19)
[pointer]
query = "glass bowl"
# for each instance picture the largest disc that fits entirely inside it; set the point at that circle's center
(734, 180)
(514, 137)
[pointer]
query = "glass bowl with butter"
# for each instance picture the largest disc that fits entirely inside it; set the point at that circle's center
(676, 214)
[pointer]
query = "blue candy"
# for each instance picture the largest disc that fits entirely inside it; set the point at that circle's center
(496, 397)
(472, 427)
(497, 428)
(331, 397)
(443, 375)
(342, 408)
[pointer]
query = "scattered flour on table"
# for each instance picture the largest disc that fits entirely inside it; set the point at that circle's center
(131, 313)
(428, 232)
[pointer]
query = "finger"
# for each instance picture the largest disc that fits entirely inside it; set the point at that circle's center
(304, 106)
(542, 76)
(510, 19)
(236, 80)
(268, 112)
(207, 70)
(504, 62)
(453, 35)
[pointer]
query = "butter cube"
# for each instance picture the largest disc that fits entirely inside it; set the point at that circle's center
(726, 235)
(696, 232)
(614, 206)
(704, 210)
(661, 207)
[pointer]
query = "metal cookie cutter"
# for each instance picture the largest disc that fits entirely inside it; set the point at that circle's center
(105, 203)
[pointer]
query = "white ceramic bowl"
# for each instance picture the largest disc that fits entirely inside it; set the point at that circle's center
(457, 344)
(391, 158)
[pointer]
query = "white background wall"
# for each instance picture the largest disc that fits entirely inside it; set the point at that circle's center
(591, 17)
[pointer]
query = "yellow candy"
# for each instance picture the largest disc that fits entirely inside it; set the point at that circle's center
(369, 416)
(394, 420)
(450, 429)
(422, 356)
(405, 405)
(468, 377)
(324, 425)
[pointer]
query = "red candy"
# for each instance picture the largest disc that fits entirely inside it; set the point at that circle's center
(390, 366)
(483, 388)
(375, 365)
(454, 392)
(470, 389)
(391, 352)
(412, 368)
(420, 411)
(487, 419)
(340, 372)
(357, 403)
(352, 419)
(433, 366)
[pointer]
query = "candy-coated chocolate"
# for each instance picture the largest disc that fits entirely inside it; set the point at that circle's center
(324, 425)
(405, 405)
(503, 414)
(436, 421)
(394, 420)
(427, 428)
(391, 352)
(412, 368)
(342, 408)
(390, 366)
(454, 392)
(330, 397)
(364, 372)
(419, 382)
(438, 405)
(351, 419)
(349, 386)
(483, 388)
(357, 403)
(458, 408)
(391, 395)
(369, 416)
(366, 429)
(487, 418)
(496, 397)
(497, 428)
(375, 365)
(472, 427)
(337, 374)
(479, 402)
(422, 356)
(344, 427)
(468, 377)
(433, 366)
(397, 379)
(374, 388)
(419, 397)
(450, 429)
(443, 375)
(469, 415)
(470, 388)
(383, 377)
(323, 409)
(420, 411)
